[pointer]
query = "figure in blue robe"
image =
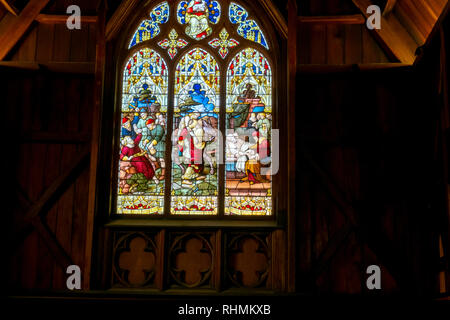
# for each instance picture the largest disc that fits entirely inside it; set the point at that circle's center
(203, 106)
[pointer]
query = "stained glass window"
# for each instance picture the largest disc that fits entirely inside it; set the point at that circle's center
(195, 124)
(198, 15)
(148, 29)
(187, 177)
(223, 43)
(248, 140)
(247, 28)
(143, 134)
(173, 43)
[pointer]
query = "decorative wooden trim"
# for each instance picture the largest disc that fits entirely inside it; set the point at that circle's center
(234, 244)
(122, 245)
(291, 154)
(62, 19)
(344, 19)
(160, 260)
(119, 17)
(183, 222)
(392, 36)
(17, 28)
(9, 7)
(177, 245)
(95, 142)
(59, 67)
(276, 17)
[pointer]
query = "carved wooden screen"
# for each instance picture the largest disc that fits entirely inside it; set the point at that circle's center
(194, 196)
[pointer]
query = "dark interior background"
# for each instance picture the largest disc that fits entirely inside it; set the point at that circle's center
(369, 135)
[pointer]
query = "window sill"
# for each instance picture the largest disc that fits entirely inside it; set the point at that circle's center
(177, 223)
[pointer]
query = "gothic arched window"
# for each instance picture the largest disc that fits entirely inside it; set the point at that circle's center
(196, 113)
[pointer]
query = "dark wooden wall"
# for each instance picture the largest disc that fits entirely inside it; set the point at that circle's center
(43, 120)
(369, 137)
(51, 114)
(338, 44)
(367, 141)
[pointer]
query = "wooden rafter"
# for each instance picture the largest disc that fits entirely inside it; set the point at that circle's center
(392, 36)
(9, 7)
(62, 19)
(436, 28)
(390, 4)
(17, 28)
(343, 19)
(57, 67)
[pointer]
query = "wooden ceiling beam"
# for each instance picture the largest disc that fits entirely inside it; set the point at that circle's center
(390, 4)
(392, 36)
(436, 28)
(17, 28)
(62, 19)
(343, 19)
(9, 7)
(57, 67)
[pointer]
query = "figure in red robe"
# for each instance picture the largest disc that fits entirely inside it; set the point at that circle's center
(131, 152)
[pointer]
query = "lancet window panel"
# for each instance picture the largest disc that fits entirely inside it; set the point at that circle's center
(198, 74)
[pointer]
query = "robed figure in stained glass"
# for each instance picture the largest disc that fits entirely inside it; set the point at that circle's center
(142, 148)
(197, 19)
(248, 143)
(195, 121)
(198, 14)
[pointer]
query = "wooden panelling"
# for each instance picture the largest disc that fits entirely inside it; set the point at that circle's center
(249, 259)
(392, 36)
(359, 130)
(191, 259)
(419, 17)
(17, 27)
(135, 259)
(55, 43)
(65, 111)
(338, 44)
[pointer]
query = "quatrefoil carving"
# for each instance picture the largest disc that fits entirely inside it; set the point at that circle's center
(135, 260)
